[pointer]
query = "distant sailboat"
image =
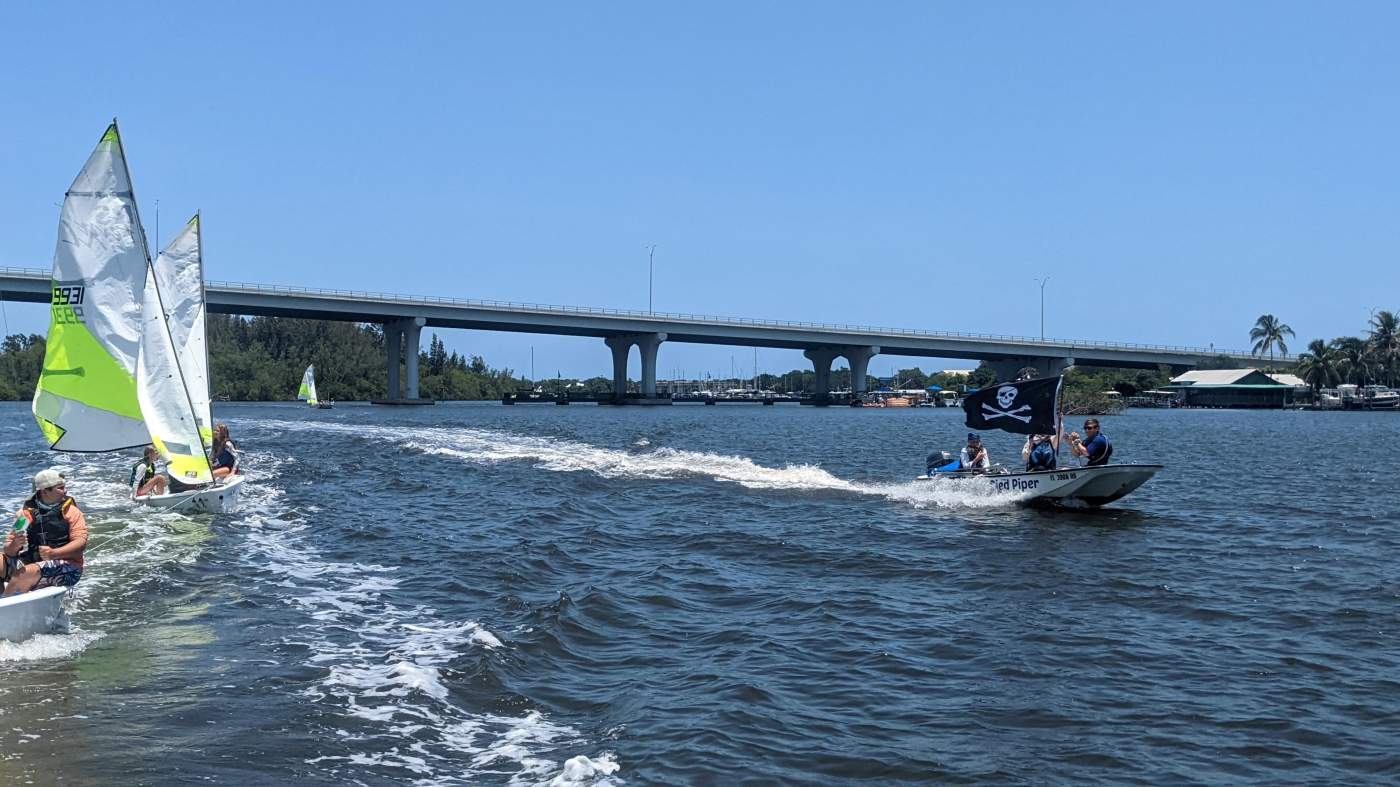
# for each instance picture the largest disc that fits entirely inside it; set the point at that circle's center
(307, 392)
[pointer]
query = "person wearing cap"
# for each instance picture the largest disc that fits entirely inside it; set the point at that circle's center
(49, 551)
(974, 454)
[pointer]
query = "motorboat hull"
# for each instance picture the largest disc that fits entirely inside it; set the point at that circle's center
(218, 499)
(1068, 486)
(26, 614)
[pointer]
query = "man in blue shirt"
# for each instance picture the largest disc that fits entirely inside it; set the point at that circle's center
(1094, 446)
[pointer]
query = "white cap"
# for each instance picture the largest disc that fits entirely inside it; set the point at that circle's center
(47, 478)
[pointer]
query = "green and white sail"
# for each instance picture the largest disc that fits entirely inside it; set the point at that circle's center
(179, 271)
(307, 391)
(163, 394)
(86, 396)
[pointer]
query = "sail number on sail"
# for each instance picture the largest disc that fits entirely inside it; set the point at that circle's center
(68, 304)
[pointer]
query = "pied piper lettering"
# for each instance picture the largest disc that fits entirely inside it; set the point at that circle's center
(1014, 484)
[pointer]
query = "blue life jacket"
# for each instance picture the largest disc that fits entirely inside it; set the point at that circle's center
(1042, 457)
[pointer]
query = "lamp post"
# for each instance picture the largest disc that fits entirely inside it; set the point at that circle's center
(1042, 306)
(651, 269)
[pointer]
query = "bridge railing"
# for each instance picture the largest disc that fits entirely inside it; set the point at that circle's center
(543, 308)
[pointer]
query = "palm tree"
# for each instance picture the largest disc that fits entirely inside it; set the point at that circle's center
(1268, 332)
(1385, 343)
(1353, 359)
(1318, 366)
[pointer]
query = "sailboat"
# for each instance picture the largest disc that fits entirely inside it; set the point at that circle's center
(307, 391)
(1031, 407)
(85, 399)
(172, 378)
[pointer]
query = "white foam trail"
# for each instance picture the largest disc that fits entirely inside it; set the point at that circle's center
(383, 662)
(569, 456)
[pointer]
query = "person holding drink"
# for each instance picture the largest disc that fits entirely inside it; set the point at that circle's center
(45, 546)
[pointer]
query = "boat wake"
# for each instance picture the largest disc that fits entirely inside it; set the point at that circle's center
(382, 667)
(485, 446)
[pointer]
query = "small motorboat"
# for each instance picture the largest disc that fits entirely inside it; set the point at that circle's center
(26, 614)
(219, 498)
(1066, 486)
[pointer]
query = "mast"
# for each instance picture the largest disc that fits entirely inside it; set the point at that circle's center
(204, 301)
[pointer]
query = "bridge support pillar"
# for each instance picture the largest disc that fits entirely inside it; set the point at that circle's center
(821, 358)
(859, 358)
(647, 346)
(1008, 369)
(393, 344)
(412, 329)
(620, 346)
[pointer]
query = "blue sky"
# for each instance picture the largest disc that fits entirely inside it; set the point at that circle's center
(1176, 171)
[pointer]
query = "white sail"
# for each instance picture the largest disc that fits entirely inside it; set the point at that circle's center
(179, 271)
(307, 391)
(86, 396)
(164, 397)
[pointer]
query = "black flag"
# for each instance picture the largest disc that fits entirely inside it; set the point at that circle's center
(1027, 407)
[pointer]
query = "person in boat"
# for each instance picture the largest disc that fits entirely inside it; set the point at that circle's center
(144, 478)
(49, 551)
(974, 454)
(1093, 446)
(225, 454)
(1039, 452)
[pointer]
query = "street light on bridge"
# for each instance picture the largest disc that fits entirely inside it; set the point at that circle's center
(1042, 306)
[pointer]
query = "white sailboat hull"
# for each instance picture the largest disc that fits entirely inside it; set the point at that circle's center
(27, 614)
(219, 499)
(1069, 486)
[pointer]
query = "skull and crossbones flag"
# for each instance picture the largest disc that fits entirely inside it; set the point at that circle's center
(1027, 407)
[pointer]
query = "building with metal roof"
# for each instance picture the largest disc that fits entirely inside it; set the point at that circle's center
(1235, 388)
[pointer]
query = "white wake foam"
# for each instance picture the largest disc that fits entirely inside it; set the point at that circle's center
(569, 456)
(383, 664)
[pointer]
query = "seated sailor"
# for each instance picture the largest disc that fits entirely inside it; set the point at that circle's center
(974, 454)
(1094, 446)
(46, 547)
(225, 454)
(144, 478)
(1039, 452)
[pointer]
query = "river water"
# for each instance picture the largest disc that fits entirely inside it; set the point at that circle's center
(478, 594)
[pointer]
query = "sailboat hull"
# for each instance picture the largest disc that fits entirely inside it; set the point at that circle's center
(1067, 486)
(219, 499)
(27, 614)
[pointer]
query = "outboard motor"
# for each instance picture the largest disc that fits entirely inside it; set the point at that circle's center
(939, 460)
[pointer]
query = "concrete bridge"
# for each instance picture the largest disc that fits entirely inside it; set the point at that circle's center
(404, 317)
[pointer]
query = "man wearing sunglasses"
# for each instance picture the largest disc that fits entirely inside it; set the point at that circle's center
(1094, 446)
(49, 550)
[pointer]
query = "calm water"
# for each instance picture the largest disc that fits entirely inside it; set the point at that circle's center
(478, 594)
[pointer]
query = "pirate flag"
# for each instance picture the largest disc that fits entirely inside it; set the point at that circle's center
(1027, 407)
